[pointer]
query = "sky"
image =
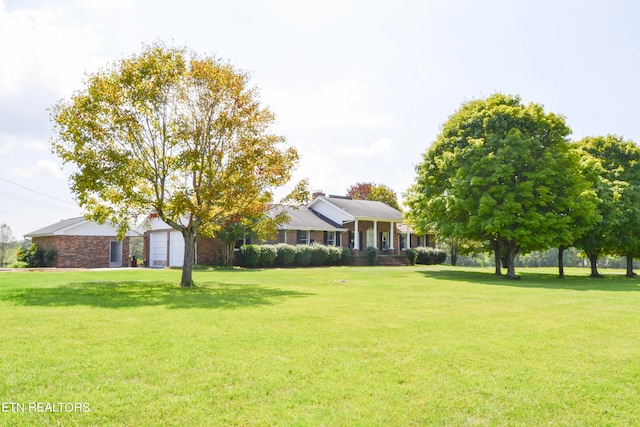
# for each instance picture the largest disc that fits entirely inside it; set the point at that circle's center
(360, 88)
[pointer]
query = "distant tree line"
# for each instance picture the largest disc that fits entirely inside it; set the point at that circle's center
(504, 177)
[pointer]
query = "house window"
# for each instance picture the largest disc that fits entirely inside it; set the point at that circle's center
(303, 237)
(330, 238)
(241, 242)
(402, 241)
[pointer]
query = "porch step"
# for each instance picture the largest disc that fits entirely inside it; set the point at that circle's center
(386, 260)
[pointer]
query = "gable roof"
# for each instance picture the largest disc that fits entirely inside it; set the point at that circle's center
(360, 209)
(78, 226)
(57, 228)
(302, 218)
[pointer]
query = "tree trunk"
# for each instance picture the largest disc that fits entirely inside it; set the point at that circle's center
(496, 250)
(561, 261)
(189, 257)
(227, 252)
(454, 254)
(630, 272)
(593, 259)
(512, 252)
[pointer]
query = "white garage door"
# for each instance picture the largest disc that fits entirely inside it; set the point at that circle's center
(158, 250)
(176, 257)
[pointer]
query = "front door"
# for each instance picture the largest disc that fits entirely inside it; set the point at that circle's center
(115, 254)
(384, 240)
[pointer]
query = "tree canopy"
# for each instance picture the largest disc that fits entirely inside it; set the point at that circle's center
(502, 172)
(373, 191)
(175, 133)
(613, 165)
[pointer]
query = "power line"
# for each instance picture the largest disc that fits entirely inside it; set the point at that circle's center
(22, 216)
(37, 192)
(38, 203)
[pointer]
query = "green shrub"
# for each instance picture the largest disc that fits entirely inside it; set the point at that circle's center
(50, 256)
(440, 256)
(268, 254)
(303, 255)
(286, 255)
(346, 253)
(319, 254)
(335, 255)
(372, 255)
(19, 264)
(412, 256)
(36, 256)
(250, 256)
(429, 256)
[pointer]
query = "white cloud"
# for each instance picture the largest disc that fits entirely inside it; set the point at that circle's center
(41, 169)
(13, 142)
(323, 170)
(381, 148)
(41, 46)
(339, 103)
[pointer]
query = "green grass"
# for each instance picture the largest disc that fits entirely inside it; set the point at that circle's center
(343, 346)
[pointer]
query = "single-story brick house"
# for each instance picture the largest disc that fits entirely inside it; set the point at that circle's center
(80, 243)
(354, 224)
(329, 220)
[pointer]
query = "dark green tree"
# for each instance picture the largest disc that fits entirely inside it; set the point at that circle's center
(614, 167)
(501, 172)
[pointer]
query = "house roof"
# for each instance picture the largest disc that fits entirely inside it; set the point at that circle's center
(362, 209)
(302, 218)
(56, 228)
(78, 226)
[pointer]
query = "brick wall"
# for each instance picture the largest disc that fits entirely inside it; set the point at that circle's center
(82, 251)
(208, 251)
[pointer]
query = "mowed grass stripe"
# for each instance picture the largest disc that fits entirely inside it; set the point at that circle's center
(326, 346)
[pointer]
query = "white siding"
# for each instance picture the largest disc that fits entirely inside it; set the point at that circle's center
(332, 212)
(90, 228)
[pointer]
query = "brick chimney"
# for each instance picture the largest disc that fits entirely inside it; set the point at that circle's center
(316, 194)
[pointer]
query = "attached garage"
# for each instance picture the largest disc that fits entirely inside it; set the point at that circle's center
(164, 246)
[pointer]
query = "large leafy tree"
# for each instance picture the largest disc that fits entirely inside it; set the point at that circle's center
(373, 191)
(172, 132)
(501, 172)
(614, 165)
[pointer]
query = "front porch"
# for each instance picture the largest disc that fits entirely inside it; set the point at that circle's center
(390, 238)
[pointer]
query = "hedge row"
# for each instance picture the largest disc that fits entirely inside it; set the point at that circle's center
(285, 255)
(427, 255)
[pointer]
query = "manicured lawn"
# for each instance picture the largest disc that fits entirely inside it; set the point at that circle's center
(329, 346)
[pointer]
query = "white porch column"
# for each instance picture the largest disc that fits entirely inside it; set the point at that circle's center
(391, 235)
(375, 234)
(356, 238)
(408, 244)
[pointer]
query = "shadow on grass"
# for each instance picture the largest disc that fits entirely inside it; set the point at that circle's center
(140, 294)
(540, 280)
